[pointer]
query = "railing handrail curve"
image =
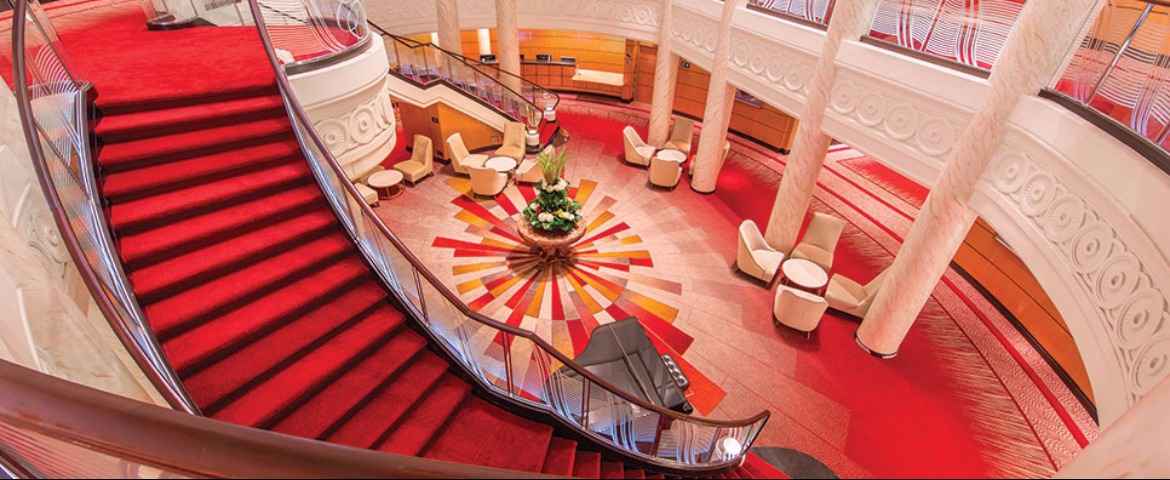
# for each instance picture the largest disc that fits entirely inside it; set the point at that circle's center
(302, 117)
(146, 351)
(162, 438)
(474, 64)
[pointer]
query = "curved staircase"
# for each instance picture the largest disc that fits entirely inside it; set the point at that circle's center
(261, 302)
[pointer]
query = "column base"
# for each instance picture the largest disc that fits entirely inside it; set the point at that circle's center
(883, 356)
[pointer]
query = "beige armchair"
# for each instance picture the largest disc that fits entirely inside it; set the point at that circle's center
(529, 170)
(680, 134)
(421, 163)
(487, 181)
(664, 173)
(513, 145)
(798, 309)
(754, 257)
(820, 240)
(637, 151)
(847, 296)
(460, 157)
(726, 151)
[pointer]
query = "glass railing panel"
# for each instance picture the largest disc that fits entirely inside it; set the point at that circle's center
(813, 11)
(957, 31)
(1121, 68)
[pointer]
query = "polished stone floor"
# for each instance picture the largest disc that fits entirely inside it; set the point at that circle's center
(967, 395)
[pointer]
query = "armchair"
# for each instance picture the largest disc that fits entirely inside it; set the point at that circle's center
(513, 145)
(422, 160)
(529, 170)
(848, 296)
(664, 173)
(820, 240)
(637, 151)
(487, 181)
(680, 134)
(754, 257)
(798, 309)
(460, 157)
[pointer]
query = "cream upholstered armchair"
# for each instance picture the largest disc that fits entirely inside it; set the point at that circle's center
(460, 157)
(798, 309)
(513, 145)
(637, 151)
(726, 151)
(529, 170)
(680, 134)
(664, 173)
(754, 257)
(820, 240)
(846, 295)
(487, 181)
(422, 160)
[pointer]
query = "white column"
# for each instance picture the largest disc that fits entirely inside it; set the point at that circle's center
(483, 36)
(1043, 33)
(665, 79)
(850, 20)
(447, 14)
(508, 35)
(709, 157)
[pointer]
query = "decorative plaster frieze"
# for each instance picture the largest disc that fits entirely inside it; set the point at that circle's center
(771, 63)
(358, 127)
(903, 117)
(695, 30)
(641, 14)
(1130, 306)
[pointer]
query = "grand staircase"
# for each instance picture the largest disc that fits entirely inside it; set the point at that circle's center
(261, 302)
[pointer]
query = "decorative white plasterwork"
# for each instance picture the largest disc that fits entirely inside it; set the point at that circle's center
(771, 63)
(695, 31)
(358, 127)
(1129, 303)
(911, 120)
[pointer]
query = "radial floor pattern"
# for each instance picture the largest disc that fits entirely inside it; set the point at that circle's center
(966, 396)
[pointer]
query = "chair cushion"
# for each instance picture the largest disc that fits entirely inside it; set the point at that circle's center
(815, 254)
(769, 260)
(679, 145)
(474, 160)
(511, 151)
(368, 194)
(645, 150)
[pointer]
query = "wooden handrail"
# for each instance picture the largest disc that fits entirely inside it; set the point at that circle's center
(302, 118)
(191, 445)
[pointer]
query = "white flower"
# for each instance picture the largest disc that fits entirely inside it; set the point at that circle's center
(545, 217)
(565, 215)
(561, 185)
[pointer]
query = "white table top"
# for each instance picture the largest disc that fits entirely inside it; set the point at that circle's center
(804, 273)
(501, 164)
(384, 179)
(671, 155)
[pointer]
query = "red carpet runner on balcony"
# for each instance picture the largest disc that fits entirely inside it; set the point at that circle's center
(259, 299)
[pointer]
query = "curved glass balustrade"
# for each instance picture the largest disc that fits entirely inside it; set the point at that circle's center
(958, 31)
(817, 12)
(1122, 70)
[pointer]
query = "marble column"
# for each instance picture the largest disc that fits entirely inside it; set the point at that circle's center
(665, 79)
(483, 37)
(709, 157)
(447, 15)
(508, 36)
(1044, 32)
(850, 21)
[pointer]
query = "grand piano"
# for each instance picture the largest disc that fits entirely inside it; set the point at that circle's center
(622, 354)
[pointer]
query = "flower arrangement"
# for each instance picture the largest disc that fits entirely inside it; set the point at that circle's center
(553, 211)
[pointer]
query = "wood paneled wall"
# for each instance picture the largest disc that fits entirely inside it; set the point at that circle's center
(593, 51)
(999, 271)
(440, 121)
(765, 123)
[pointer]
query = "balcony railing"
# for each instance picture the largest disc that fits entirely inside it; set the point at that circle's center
(53, 105)
(1122, 70)
(964, 33)
(425, 64)
(815, 12)
(513, 364)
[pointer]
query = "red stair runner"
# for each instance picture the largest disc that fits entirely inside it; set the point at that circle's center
(258, 297)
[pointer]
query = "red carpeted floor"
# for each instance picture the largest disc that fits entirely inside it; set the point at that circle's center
(257, 296)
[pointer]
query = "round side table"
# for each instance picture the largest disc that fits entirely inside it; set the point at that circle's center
(388, 183)
(501, 164)
(804, 274)
(672, 155)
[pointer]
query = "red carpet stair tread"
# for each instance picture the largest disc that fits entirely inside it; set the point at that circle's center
(260, 300)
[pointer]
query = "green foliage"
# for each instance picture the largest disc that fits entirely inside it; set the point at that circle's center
(552, 164)
(553, 211)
